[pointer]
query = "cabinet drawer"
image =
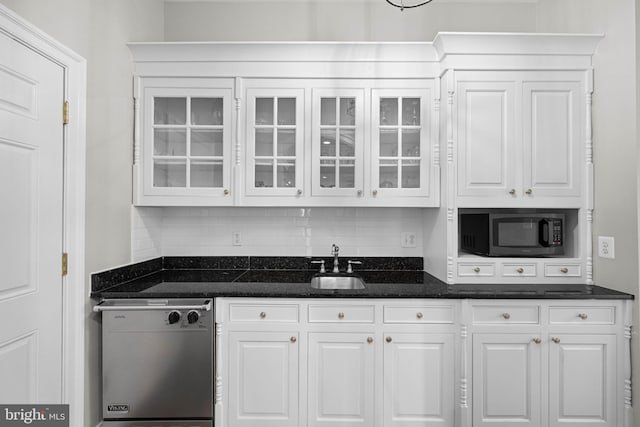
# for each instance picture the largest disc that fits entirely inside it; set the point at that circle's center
(519, 270)
(582, 315)
(263, 313)
(342, 313)
(419, 314)
(505, 314)
(562, 270)
(476, 269)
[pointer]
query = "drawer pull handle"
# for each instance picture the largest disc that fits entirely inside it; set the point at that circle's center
(529, 191)
(388, 339)
(537, 340)
(512, 191)
(369, 340)
(294, 339)
(564, 270)
(520, 270)
(556, 340)
(506, 315)
(476, 269)
(419, 315)
(341, 315)
(263, 315)
(583, 316)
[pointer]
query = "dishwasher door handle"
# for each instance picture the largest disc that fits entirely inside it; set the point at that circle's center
(206, 306)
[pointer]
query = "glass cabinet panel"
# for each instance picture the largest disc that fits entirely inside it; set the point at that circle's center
(185, 129)
(275, 138)
(399, 141)
(337, 123)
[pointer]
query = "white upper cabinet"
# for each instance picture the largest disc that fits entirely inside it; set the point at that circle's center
(402, 144)
(521, 138)
(185, 153)
(274, 136)
(337, 142)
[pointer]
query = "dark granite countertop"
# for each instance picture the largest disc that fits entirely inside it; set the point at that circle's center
(289, 277)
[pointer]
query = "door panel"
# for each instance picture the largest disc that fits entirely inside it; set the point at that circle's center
(582, 380)
(341, 372)
(263, 385)
(418, 380)
(552, 128)
(486, 131)
(31, 218)
(506, 380)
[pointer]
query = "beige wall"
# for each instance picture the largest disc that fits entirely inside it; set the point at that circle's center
(615, 138)
(98, 30)
(328, 20)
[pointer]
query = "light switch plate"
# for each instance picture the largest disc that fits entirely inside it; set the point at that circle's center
(606, 247)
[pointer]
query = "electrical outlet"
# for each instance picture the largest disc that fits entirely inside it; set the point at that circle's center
(606, 247)
(409, 239)
(236, 238)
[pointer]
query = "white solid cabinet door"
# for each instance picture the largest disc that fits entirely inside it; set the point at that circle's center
(582, 380)
(263, 379)
(552, 136)
(487, 152)
(31, 218)
(341, 379)
(506, 380)
(418, 380)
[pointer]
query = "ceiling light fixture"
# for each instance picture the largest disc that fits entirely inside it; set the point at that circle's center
(403, 6)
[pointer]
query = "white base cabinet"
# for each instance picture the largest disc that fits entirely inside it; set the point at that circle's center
(422, 362)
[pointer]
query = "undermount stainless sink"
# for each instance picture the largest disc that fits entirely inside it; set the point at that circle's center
(337, 282)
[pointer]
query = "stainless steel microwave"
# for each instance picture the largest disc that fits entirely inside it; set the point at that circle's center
(512, 234)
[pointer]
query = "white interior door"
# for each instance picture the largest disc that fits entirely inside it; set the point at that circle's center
(31, 225)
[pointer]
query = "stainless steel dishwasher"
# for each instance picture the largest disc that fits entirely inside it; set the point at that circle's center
(157, 362)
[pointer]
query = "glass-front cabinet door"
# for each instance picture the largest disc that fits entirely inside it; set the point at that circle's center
(401, 142)
(337, 142)
(186, 148)
(275, 123)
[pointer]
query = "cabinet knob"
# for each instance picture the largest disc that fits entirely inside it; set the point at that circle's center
(226, 192)
(299, 192)
(537, 340)
(506, 316)
(529, 192)
(583, 316)
(293, 339)
(512, 191)
(564, 270)
(476, 269)
(388, 339)
(263, 314)
(556, 340)
(369, 340)
(375, 193)
(520, 270)
(359, 193)
(419, 315)
(341, 315)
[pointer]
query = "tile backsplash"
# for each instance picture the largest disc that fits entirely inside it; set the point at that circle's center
(209, 231)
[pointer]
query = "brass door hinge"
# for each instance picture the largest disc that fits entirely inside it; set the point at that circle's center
(65, 261)
(65, 113)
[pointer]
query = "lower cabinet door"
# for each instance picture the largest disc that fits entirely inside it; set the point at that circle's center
(506, 380)
(582, 380)
(418, 380)
(263, 379)
(341, 379)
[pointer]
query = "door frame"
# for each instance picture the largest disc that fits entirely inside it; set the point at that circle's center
(74, 296)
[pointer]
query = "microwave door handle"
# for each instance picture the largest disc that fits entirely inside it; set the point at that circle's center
(544, 232)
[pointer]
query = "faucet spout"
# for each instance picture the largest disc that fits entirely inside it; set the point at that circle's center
(334, 251)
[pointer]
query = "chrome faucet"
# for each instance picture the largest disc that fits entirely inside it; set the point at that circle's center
(334, 251)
